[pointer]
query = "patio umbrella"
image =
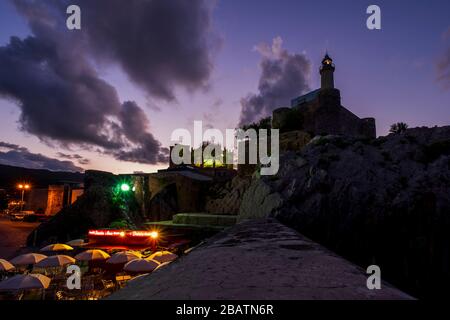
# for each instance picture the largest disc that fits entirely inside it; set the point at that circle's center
(25, 282)
(29, 258)
(124, 257)
(141, 265)
(5, 266)
(91, 255)
(55, 261)
(76, 243)
(163, 256)
(56, 247)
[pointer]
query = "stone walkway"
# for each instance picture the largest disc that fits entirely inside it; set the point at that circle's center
(13, 237)
(259, 259)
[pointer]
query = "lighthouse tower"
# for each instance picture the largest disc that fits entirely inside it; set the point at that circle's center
(327, 73)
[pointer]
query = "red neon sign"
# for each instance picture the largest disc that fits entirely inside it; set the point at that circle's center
(119, 233)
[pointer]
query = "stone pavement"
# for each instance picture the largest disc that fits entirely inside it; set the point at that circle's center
(258, 259)
(13, 237)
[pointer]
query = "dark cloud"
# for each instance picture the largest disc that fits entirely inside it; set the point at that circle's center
(135, 126)
(284, 76)
(14, 155)
(80, 159)
(62, 98)
(160, 44)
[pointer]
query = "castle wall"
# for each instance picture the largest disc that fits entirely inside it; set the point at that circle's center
(325, 115)
(55, 201)
(36, 200)
(75, 194)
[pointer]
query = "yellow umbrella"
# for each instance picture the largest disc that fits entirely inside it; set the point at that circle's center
(5, 266)
(76, 243)
(25, 282)
(91, 255)
(163, 256)
(57, 247)
(29, 258)
(124, 257)
(55, 261)
(141, 265)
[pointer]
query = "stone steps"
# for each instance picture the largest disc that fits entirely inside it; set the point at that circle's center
(198, 221)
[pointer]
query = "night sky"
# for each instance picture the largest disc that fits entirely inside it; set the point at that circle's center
(109, 96)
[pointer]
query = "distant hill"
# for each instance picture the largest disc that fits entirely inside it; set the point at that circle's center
(10, 176)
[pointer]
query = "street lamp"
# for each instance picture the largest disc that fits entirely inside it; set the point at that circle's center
(125, 187)
(23, 187)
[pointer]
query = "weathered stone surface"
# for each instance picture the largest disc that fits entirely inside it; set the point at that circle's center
(294, 140)
(225, 198)
(384, 201)
(259, 259)
(259, 201)
(164, 204)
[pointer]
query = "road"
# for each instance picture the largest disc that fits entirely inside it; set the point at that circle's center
(13, 235)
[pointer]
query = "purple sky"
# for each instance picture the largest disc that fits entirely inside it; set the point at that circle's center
(391, 74)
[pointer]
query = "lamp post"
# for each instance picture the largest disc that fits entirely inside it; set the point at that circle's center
(23, 187)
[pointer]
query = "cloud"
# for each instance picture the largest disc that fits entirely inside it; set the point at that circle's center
(80, 159)
(160, 44)
(14, 155)
(213, 114)
(443, 64)
(61, 96)
(284, 76)
(135, 126)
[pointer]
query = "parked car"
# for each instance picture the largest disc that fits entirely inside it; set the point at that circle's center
(19, 216)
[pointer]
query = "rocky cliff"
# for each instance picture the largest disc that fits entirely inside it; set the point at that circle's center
(382, 201)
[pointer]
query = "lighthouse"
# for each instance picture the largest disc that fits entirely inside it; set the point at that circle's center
(327, 73)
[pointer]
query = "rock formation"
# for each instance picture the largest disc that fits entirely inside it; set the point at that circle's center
(382, 201)
(225, 198)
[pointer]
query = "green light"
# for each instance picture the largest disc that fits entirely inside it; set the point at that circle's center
(125, 187)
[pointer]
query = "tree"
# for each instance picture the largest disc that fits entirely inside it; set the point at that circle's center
(398, 128)
(265, 123)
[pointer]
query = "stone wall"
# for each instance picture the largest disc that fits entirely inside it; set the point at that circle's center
(257, 260)
(322, 116)
(36, 200)
(55, 201)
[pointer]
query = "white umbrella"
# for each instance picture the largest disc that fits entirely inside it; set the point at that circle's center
(5, 266)
(141, 265)
(29, 258)
(91, 255)
(57, 247)
(163, 256)
(76, 243)
(25, 282)
(124, 257)
(55, 261)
